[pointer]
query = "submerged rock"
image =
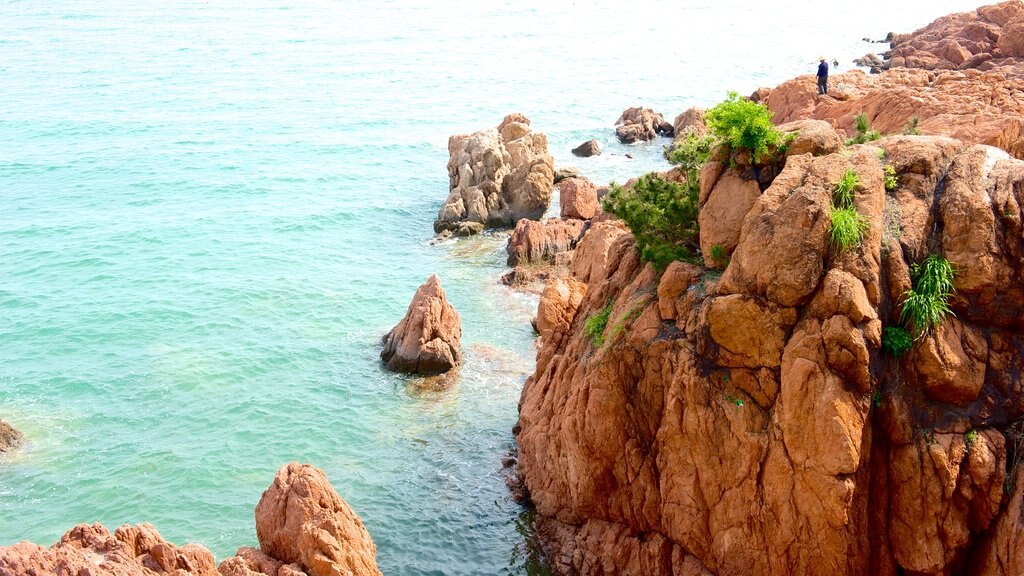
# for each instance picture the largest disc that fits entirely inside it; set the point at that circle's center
(10, 437)
(427, 339)
(641, 125)
(496, 177)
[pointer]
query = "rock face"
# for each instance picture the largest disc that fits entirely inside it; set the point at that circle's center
(92, 549)
(427, 340)
(303, 526)
(497, 177)
(752, 425)
(301, 519)
(991, 37)
(641, 125)
(587, 149)
(689, 122)
(578, 198)
(10, 437)
(535, 242)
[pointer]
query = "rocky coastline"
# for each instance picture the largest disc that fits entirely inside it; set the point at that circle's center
(739, 416)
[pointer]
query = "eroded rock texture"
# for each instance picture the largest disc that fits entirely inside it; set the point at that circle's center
(497, 177)
(10, 437)
(641, 125)
(749, 424)
(428, 340)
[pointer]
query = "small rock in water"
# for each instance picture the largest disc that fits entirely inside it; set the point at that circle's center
(587, 149)
(10, 437)
(566, 172)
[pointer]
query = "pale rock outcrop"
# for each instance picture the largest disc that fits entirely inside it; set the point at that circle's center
(690, 121)
(566, 172)
(428, 339)
(10, 437)
(92, 549)
(301, 520)
(578, 198)
(752, 425)
(534, 242)
(641, 125)
(815, 137)
(497, 177)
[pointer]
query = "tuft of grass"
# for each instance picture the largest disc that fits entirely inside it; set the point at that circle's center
(595, 325)
(847, 229)
(910, 129)
(719, 255)
(896, 341)
(881, 154)
(891, 180)
(970, 438)
(843, 195)
(864, 131)
(926, 305)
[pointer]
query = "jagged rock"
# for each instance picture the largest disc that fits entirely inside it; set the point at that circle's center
(578, 198)
(497, 177)
(10, 437)
(533, 242)
(641, 125)
(300, 519)
(92, 549)
(566, 172)
(691, 121)
(587, 149)
(751, 426)
(427, 340)
(869, 60)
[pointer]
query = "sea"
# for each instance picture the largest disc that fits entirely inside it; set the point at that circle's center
(212, 210)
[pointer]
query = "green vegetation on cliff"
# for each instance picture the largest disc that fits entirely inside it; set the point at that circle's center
(926, 305)
(848, 226)
(742, 124)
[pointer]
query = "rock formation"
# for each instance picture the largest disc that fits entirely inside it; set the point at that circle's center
(641, 125)
(535, 242)
(303, 526)
(427, 340)
(691, 121)
(990, 38)
(578, 198)
(497, 177)
(566, 172)
(10, 437)
(301, 520)
(587, 149)
(751, 424)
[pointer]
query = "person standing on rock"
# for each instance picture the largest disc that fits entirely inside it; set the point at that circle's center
(822, 75)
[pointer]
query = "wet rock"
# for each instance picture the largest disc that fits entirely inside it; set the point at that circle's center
(587, 149)
(10, 437)
(427, 340)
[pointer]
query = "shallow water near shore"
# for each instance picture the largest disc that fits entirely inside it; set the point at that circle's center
(210, 212)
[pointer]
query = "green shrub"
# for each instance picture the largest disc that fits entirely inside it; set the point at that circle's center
(743, 125)
(864, 131)
(896, 341)
(880, 154)
(847, 229)
(842, 197)
(926, 305)
(595, 325)
(891, 181)
(719, 255)
(910, 129)
(692, 152)
(970, 438)
(662, 216)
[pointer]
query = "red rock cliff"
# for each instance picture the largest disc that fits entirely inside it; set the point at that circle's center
(749, 424)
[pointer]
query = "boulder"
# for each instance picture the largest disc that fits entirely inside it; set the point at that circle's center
(578, 198)
(92, 549)
(427, 340)
(869, 60)
(691, 121)
(815, 137)
(301, 520)
(641, 125)
(587, 149)
(10, 437)
(535, 242)
(496, 177)
(566, 172)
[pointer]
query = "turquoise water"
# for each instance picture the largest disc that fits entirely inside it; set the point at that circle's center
(210, 212)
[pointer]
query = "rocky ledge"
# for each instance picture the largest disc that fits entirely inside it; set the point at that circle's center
(304, 529)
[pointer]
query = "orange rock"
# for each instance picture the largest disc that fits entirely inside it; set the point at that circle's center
(300, 519)
(10, 437)
(578, 198)
(641, 125)
(427, 340)
(534, 242)
(722, 214)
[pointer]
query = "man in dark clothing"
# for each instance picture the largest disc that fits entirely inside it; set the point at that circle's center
(823, 76)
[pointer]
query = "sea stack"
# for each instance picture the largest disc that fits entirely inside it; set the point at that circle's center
(497, 177)
(641, 125)
(427, 340)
